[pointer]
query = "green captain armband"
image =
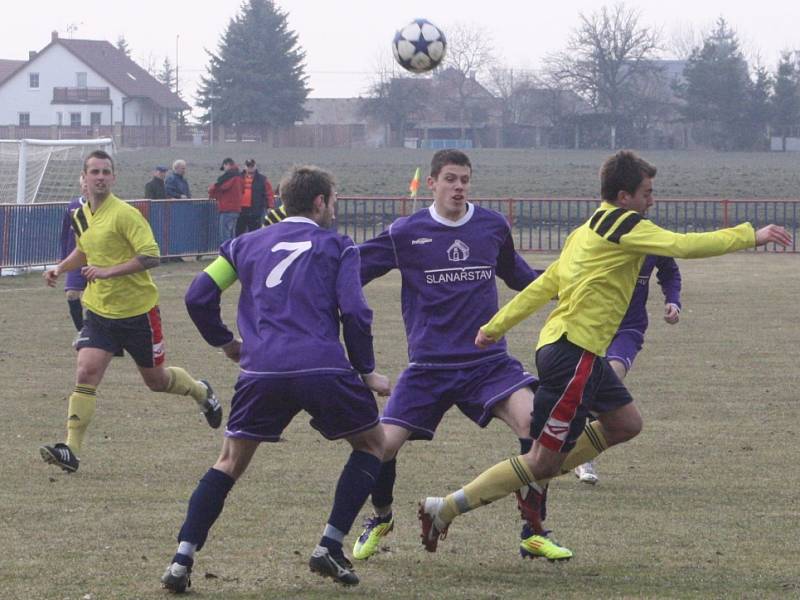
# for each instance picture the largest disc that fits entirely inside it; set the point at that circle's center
(222, 272)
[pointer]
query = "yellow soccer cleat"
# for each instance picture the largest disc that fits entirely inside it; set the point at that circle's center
(536, 545)
(375, 528)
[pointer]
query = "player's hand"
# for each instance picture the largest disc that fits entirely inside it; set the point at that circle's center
(377, 383)
(671, 313)
(91, 273)
(773, 233)
(50, 277)
(233, 349)
(483, 341)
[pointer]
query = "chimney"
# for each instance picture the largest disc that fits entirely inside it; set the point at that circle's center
(32, 54)
(53, 35)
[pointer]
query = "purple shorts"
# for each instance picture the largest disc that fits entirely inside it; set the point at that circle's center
(422, 396)
(74, 281)
(627, 343)
(340, 405)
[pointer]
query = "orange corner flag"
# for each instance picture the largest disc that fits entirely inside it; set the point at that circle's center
(413, 187)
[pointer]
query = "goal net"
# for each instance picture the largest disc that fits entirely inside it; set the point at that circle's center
(44, 170)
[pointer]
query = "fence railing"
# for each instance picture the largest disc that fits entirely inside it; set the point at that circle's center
(30, 233)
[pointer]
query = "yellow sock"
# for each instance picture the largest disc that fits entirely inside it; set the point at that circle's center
(589, 446)
(183, 384)
(81, 410)
(494, 483)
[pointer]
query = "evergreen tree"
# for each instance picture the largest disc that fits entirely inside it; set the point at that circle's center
(167, 74)
(257, 76)
(717, 90)
(754, 133)
(785, 105)
(122, 45)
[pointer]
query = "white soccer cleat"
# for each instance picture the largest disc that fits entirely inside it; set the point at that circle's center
(586, 473)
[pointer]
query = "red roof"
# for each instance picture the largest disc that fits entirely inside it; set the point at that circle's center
(112, 65)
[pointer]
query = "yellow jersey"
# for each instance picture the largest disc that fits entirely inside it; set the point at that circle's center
(116, 233)
(594, 277)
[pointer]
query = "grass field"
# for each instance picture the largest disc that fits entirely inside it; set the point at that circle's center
(497, 173)
(702, 505)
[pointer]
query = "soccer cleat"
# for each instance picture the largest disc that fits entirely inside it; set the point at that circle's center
(375, 528)
(177, 578)
(586, 473)
(433, 528)
(534, 545)
(337, 568)
(60, 455)
(212, 409)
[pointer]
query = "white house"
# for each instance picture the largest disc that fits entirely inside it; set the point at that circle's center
(76, 83)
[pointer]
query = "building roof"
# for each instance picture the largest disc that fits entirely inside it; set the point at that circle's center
(123, 73)
(111, 64)
(8, 67)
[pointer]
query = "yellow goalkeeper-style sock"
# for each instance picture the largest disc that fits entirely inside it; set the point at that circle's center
(82, 403)
(493, 484)
(183, 384)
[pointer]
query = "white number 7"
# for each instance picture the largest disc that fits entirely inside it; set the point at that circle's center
(296, 249)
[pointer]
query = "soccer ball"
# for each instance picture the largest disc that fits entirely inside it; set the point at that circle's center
(419, 46)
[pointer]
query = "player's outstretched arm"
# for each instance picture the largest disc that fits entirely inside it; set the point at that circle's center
(377, 383)
(773, 233)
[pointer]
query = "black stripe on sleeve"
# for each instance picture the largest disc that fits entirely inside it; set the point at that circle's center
(625, 227)
(79, 222)
(595, 218)
(609, 221)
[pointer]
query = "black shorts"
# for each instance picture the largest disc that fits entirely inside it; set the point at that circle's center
(140, 336)
(572, 383)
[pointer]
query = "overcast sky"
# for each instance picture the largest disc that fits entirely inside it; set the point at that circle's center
(344, 38)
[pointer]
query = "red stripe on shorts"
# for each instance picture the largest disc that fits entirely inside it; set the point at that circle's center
(555, 431)
(154, 318)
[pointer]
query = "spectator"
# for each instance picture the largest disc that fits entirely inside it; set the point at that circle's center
(257, 197)
(227, 191)
(176, 185)
(155, 189)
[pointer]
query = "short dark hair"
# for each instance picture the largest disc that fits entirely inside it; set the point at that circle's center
(301, 185)
(448, 157)
(102, 155)
(250, 162)
(624, 171)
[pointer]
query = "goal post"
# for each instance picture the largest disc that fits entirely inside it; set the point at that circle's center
(44, 170)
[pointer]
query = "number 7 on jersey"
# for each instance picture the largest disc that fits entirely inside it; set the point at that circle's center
(296, 248)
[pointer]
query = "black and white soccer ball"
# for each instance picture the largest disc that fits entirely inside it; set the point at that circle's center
(419, 46)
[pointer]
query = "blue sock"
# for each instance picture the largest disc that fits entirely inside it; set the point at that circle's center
(525, 445)
(384, 486)
(76, 313)
(355, 484)
(205, 506)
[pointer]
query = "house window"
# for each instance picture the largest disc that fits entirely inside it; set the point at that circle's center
(81, 77)
(33, 81)
(95, 118)
(74, 119)
(24, 119)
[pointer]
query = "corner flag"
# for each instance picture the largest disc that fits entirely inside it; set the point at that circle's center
(413, 187)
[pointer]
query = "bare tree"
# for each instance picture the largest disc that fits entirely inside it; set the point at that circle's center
(509, 86)
(605, 55)
(470, 58)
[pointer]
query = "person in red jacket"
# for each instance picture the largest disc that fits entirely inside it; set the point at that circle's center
(227, 191)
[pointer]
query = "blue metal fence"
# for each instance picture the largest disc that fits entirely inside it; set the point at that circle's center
(29, 234)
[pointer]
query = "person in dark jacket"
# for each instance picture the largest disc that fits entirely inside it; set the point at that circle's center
(257, 197)
(227, 191)
(154, 189)
(176, 185)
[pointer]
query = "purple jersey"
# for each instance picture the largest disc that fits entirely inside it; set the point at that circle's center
(669, 278)
(67, 233)
(298, 283)
(448, 273)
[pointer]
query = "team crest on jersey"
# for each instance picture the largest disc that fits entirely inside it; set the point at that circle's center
(458, 251)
